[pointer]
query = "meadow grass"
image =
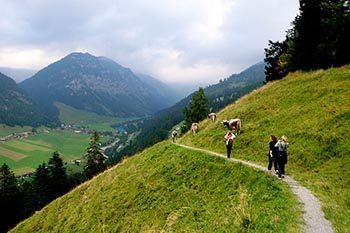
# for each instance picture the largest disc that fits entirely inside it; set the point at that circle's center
(313, 111)
(91, 120)
(23, 155)
(7, 130)
(171, 189)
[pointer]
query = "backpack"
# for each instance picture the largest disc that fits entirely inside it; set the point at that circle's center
(283, 146)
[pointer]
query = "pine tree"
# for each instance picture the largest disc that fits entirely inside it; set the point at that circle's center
(197, 109)
(274, 65)
(319, 39)
(58, 175)
(10, 201)
(26, 187)
(95, 159)
(42, 192)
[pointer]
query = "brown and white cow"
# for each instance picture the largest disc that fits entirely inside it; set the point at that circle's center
(233, 124)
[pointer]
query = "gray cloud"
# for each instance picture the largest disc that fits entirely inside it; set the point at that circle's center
(198, 41)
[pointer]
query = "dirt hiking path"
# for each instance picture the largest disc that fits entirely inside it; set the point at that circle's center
(313, 216)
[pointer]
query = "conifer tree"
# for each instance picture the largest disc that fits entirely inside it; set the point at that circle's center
(95, 159)
(319, 39)
(274, 68)
(26, 187)
(197, 109)
(42, 192)
(58, 175)
(10, 201)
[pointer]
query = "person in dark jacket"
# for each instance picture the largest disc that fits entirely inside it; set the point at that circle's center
(282, 159)
(272, 154)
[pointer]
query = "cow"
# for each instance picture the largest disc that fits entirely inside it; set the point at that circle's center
(194, 127)
(174, 135)
(233, 124)
(212, 116)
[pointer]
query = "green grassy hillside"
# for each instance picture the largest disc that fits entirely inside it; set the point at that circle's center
(313, 111)
(170, 189)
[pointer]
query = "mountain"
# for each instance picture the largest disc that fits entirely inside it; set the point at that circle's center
(95, 84)
(220, 95)
(183, 89)
(165, 90)
(16, 108)
(18, 74)
(173, 189)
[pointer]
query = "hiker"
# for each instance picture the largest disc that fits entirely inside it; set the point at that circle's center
(174, 135)
(229, 141)
(282, 159)
(272, 154)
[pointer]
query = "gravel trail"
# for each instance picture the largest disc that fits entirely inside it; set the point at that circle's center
(313, 216)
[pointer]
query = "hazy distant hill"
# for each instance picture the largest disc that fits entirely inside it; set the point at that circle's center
(162, 88)
(15, 107)
(17, 74)
(95, 84)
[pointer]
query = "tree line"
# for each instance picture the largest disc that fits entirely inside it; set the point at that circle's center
(21, 197)
(319, 39)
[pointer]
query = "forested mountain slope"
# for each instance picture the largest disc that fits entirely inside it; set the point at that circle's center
(16, 108)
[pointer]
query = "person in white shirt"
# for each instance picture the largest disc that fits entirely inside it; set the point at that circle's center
(229, 141)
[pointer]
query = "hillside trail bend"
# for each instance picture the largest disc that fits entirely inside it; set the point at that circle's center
(313, 216)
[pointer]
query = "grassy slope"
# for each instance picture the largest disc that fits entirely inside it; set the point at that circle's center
(172, 189)
(91, 120)
(39, 148)
(313, 110)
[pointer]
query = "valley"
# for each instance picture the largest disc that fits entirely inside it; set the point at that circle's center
(24, 148)
(23, 155)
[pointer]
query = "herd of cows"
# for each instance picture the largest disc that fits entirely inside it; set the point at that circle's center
(233, 124)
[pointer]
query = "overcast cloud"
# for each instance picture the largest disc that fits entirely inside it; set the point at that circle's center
(194, 41)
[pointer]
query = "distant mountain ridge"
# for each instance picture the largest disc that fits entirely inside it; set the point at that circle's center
(16, 108)
(95, 84)
(17, 74)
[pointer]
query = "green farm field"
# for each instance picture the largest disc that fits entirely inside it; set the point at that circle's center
(91, 120)
(24, 155)
(6, 130)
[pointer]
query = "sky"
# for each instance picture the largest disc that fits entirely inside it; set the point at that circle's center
(188, 41)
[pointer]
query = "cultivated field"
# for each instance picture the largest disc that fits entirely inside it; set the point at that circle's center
(6, 130)
(24, 155)
(91, 120)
